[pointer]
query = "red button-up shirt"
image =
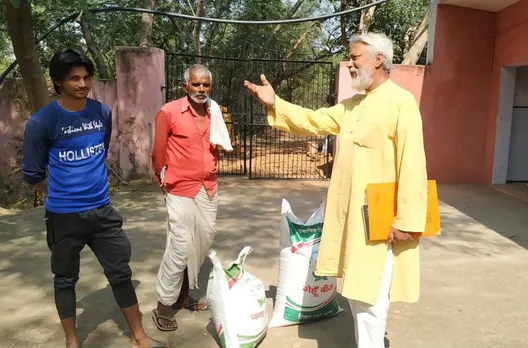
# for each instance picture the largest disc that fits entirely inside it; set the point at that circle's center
(184, 148)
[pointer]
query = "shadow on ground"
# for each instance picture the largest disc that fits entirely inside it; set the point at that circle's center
(249, 214)
(473, 272)
(332, 332)
(500, 213)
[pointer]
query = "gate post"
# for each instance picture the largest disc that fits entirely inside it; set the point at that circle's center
(140, 75)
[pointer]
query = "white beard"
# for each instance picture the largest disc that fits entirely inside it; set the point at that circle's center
(198, 100)
(363, 79)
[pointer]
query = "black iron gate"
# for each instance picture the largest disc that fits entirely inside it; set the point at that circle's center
(260, 151)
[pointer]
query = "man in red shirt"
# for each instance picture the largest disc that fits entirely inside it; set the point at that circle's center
(184, 164)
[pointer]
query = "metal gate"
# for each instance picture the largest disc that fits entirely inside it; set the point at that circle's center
(260, 151)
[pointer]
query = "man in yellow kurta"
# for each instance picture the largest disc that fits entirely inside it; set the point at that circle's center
(380, 140)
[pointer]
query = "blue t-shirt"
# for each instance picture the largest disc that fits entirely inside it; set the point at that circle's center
(73, 146)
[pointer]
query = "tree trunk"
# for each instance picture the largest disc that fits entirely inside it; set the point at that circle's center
(300, 40)
(367, 17)
(290, 15)
(221, 8)
(408, 39)
(20, 29)
(147, 19)
(420, 40)
(197, 27)
(293, 72)
(303, 36)
(414, 53)
(342, 26)
(178, 28)
(94, 50)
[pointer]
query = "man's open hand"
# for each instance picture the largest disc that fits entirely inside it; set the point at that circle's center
(398, 236)
(264, 94)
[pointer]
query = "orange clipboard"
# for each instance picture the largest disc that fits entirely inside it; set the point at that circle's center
(381, 209)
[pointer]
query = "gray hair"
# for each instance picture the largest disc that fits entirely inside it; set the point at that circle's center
(378, 44)
(199, 70)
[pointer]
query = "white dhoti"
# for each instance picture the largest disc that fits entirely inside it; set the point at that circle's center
(371, 320)
(190, 231)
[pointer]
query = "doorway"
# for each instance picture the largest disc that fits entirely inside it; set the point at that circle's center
(518, 153)
(511, 142)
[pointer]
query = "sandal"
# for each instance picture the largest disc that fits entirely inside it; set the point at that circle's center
(192, 305)
(172, 324)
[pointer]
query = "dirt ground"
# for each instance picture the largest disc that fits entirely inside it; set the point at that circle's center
(474, 276)
(281, 156)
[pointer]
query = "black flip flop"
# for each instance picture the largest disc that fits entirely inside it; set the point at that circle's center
(156, 316)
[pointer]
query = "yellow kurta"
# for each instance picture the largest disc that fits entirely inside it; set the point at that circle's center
(380, 140)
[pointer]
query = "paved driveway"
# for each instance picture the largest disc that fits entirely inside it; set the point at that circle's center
(474, 277)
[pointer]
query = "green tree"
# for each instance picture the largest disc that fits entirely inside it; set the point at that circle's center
(19, 25)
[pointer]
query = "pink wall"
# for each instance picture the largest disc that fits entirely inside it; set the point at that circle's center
(140, 76)
(453, 94)
(461, 88)
(409, 77)
(105, 91)
(344, 88)
(12, 122)
(456, 93)
(510, 33)
(14, 115)
(134, 97)
(459, 92)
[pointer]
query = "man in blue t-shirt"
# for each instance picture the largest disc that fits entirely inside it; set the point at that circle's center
(70, 138)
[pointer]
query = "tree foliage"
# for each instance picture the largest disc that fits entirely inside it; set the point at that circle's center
(397, 19)
(97, 35)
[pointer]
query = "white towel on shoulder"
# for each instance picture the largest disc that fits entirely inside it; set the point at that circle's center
(219, 134)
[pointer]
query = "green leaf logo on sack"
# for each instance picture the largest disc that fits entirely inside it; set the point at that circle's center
(317, 278)
(262, 301)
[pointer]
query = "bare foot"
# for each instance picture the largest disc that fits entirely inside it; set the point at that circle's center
(73, 343)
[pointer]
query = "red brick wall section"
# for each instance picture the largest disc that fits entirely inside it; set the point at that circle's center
(456, 93)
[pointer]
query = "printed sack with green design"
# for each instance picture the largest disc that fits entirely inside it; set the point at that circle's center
(301, 295)
(238, 303)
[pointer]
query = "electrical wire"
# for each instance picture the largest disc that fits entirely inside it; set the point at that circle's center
(235, 21)
(195, 18)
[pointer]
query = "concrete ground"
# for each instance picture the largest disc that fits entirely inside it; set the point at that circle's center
(474, 277)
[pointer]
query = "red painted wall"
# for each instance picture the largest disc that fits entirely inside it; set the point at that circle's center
(455, 95)
(510, 48)
(409, 77)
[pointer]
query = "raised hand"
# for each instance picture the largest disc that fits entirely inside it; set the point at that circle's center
(264, 94)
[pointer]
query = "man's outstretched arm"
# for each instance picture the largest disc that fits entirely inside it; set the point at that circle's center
(293, 118)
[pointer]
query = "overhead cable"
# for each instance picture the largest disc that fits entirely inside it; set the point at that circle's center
(194, 18)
